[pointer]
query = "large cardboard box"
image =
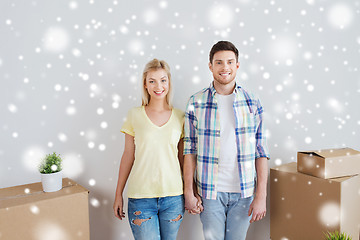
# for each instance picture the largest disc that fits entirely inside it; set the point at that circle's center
(26, 212)
(329, 163)
(303, 207)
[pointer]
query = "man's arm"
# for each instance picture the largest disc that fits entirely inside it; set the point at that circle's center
(258, 206)
(192, 199)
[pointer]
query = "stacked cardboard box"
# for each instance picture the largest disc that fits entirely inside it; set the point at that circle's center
(26, 212)
(319, 193)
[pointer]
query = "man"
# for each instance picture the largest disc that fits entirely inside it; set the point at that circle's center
(225, 143)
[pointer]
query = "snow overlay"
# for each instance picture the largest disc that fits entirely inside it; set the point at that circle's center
(71, 70)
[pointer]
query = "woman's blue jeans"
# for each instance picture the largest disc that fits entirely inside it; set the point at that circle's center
(155, 218)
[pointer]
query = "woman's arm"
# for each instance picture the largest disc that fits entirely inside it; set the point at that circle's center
(180, 154)
(126, 164)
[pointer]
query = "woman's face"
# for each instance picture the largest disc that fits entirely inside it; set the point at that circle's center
(157, 84)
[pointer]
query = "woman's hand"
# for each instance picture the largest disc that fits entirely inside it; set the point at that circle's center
(193, 203)
(118, 207)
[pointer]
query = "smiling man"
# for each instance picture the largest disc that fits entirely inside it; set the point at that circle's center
(225, 147)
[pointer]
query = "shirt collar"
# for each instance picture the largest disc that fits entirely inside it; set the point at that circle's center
(213, 90)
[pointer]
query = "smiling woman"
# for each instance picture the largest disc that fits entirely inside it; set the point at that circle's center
(153, 167)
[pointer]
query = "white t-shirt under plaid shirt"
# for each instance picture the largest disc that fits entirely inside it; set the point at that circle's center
(202, 138)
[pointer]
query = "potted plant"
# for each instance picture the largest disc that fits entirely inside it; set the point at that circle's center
(51, 175)
(337, 236)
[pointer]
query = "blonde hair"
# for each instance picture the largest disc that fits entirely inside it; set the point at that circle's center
(154, 65)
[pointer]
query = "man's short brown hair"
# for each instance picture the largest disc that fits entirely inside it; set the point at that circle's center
(223, 46)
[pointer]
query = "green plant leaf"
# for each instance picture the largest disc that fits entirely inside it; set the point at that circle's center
(337, 236)
(52, 163)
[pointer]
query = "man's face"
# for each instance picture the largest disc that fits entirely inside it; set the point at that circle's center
(224, 67)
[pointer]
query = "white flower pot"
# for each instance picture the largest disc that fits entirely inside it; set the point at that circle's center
(51, 182)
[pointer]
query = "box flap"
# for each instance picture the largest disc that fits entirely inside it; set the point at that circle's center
(287, 167)
(292, 168)
(332, 153)
(312, 153)
(31, 193)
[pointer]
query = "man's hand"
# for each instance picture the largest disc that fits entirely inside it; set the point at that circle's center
(193, 203)
(258, 206)
(257, 209)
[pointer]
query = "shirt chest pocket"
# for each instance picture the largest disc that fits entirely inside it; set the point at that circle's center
(175, 136)
(246, 122)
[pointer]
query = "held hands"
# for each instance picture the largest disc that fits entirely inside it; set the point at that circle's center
(193, 204)
(257, 209)
(118, 207)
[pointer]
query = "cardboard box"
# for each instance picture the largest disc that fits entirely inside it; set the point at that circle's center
(26, 212)
(329, 163)
(303, 207)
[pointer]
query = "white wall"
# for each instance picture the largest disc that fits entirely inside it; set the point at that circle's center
(70, 70)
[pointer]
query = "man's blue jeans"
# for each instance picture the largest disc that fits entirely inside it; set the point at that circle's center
(156, 218)
(226, 218)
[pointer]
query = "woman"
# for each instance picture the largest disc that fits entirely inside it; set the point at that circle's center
(152, 160)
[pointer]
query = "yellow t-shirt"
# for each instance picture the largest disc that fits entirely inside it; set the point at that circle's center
(156, 171)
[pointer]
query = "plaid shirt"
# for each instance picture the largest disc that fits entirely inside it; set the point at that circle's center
(202, 138)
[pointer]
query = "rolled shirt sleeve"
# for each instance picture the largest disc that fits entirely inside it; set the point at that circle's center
(190, 129)
(261, 149)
